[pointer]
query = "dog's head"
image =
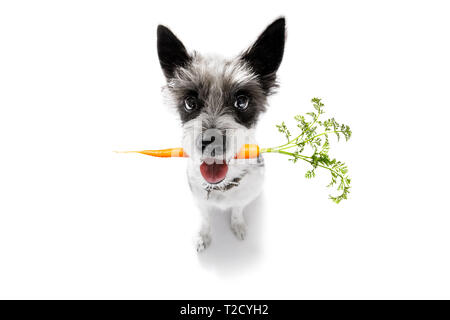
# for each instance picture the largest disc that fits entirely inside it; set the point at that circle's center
(219, 100)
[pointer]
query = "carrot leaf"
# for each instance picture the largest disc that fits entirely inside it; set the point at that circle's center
(313, 145)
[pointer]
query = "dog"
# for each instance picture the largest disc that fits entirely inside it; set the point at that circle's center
(219, 101)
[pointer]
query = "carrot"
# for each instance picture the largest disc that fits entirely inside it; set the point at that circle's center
(314, 135)
(247, 151)
(164, 153)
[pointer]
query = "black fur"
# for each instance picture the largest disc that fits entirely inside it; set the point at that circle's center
(223, 98)
(216, 87)
(266, 54)
(171, 51)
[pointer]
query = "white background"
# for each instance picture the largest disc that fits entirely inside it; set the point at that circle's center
(79, 79)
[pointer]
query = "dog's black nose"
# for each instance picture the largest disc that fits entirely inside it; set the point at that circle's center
(213, 141)
(205, 143)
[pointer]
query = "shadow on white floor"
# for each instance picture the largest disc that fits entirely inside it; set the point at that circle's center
(227, 255)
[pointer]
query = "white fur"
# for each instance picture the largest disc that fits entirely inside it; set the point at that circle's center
(207, 92)
(234, 199)
(228, 194)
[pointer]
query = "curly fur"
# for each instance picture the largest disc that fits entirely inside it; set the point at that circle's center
(215, 82)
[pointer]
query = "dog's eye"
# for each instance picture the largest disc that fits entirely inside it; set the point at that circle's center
(241, 102)
(190, 103)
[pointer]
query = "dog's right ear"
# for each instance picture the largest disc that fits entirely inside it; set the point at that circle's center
(171, 51)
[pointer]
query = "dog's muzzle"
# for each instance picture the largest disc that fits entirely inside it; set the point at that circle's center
(212, 144)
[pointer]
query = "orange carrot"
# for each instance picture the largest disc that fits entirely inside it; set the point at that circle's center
(165, 153)
(247, 151)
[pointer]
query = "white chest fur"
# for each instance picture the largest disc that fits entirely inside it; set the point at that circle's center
(241, 186)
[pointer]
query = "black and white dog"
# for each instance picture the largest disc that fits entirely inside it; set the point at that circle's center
(219, 101)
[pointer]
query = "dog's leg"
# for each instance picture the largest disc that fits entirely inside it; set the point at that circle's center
(238, 223)
(203, 239)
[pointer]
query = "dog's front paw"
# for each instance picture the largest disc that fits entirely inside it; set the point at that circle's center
(239, 229)
(202, 241)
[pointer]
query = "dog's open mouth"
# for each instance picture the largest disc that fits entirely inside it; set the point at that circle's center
(214, 172)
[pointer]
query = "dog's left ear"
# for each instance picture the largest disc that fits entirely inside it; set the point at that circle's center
(171, 51)
(265, 55)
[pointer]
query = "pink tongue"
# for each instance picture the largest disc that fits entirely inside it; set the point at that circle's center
(214, 173)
